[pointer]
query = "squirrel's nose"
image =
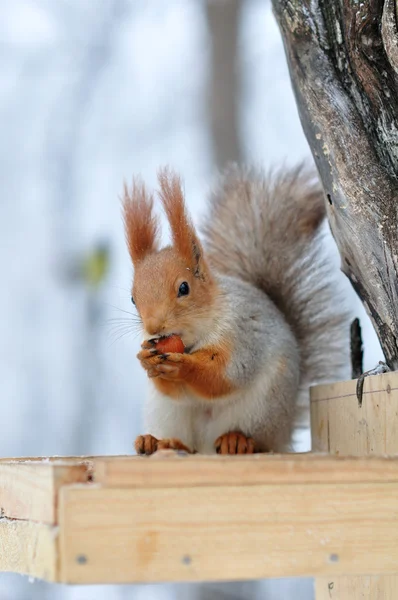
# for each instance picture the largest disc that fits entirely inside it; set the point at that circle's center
(154, 326)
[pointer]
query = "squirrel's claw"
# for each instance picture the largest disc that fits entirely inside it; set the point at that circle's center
(166, 366)
(174, 357)
(148, 358)
(149, 345)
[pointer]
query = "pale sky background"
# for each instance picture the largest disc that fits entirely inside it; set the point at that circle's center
(92, 92)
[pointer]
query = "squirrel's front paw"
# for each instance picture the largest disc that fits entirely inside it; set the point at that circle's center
(148, 358)
(234, 442)
(169, 366)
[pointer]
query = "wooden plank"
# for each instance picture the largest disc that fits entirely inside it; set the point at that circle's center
(172, 470)
(110, 535)
(320, 419)
(353, 430)
(29, 490)
(28, 548)
(344, 417)
(357, 588)
(366, 430)
(20, 481)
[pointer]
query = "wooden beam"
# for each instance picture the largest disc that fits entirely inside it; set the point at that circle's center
(113, 535)
(168, 470)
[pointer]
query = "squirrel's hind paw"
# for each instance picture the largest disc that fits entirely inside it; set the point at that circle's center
(148, 444)
(173, 444)
(234, 442)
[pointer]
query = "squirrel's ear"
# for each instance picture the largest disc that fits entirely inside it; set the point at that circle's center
(183, 232)
(141, 225)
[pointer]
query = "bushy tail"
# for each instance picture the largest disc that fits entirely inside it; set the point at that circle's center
(266, 229)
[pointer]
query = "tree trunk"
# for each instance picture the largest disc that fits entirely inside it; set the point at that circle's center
(343, 60)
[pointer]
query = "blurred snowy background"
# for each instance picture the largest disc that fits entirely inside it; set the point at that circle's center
(92, 92)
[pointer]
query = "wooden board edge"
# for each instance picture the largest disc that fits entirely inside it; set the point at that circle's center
(134, 536)
(63, 475)
(62, 461)
(29, 549)
(374, 384)
(29, 490)
(282, 469)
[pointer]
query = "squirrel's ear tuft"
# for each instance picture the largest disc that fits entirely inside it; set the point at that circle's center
(184, 236)
(141, 225)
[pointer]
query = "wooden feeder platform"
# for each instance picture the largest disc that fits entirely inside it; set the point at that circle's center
(173, 517)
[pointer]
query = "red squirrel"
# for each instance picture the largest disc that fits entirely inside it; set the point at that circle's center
(254, 306)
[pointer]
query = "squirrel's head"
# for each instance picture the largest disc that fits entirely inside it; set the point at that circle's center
(173, 289)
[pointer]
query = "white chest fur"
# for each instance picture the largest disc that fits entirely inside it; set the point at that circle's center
(198, 423)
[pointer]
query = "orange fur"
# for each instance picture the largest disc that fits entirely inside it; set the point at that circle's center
(141, 224)
(205, 373)
(202, 372)
(172, 389)
(183, 232)
(157, 277)
(155, 290)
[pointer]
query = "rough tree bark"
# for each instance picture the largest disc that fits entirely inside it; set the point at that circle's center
(343, 61)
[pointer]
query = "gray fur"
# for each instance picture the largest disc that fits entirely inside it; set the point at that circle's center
(259, 332)
(265, 230)
(264, 365)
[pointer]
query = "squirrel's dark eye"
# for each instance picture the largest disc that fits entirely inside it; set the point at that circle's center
(183, 290)
(132, 300)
